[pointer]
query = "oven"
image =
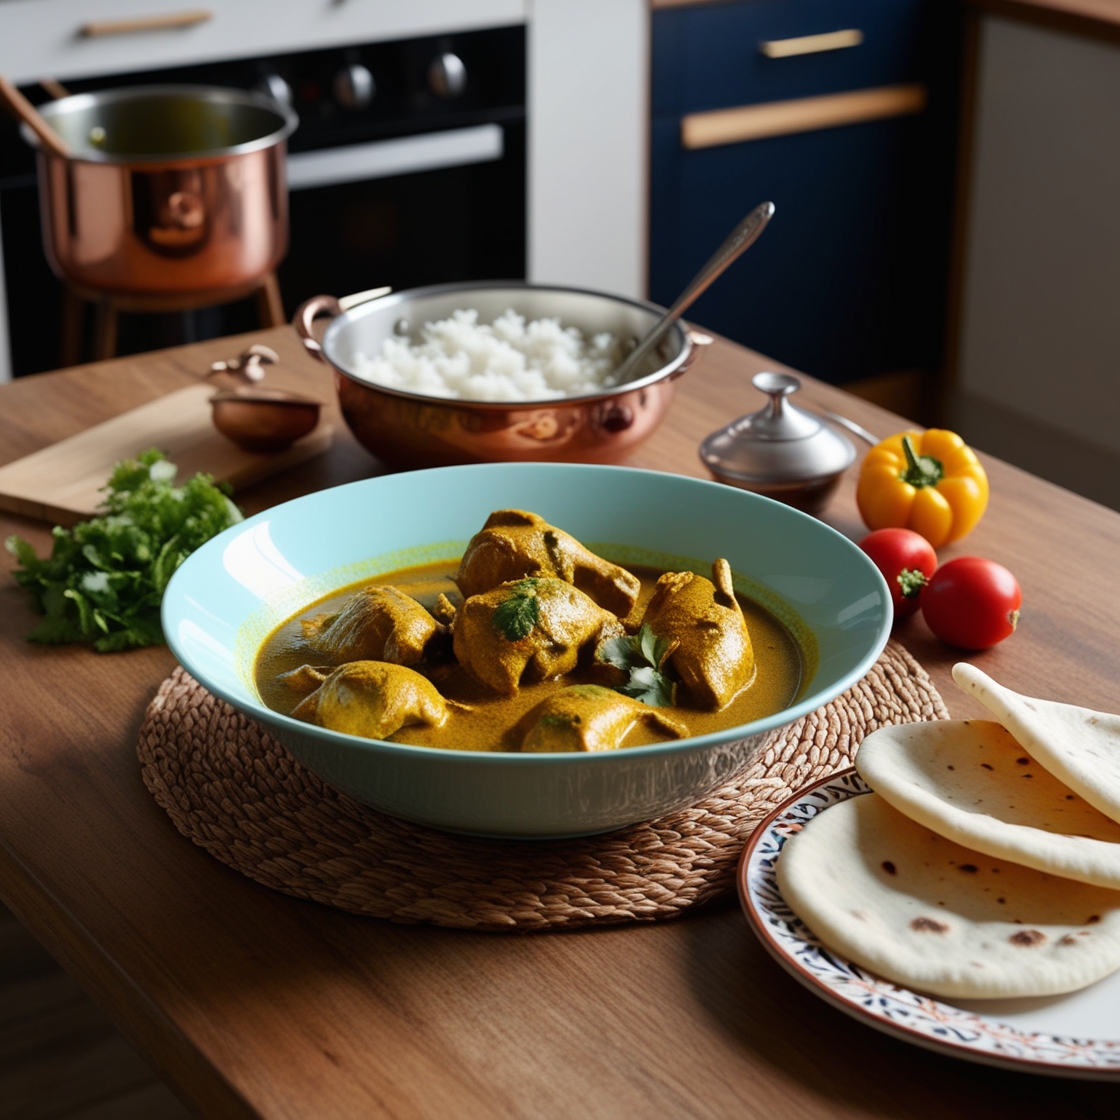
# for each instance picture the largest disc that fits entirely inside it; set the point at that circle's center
(408, 168)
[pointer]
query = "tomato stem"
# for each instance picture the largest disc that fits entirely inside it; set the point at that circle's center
(911, 580)
(921, 470)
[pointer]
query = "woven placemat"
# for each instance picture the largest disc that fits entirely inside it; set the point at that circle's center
(234, 790)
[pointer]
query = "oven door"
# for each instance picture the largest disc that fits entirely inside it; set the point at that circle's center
(435, 207)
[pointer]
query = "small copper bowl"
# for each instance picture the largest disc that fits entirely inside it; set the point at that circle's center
(260, 419)
(410, 430)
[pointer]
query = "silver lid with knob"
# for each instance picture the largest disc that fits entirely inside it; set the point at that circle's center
(781, 451)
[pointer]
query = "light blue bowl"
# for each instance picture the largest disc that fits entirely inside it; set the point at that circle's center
(229, 595)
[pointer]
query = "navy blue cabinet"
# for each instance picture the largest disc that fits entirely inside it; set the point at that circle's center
(849, 279)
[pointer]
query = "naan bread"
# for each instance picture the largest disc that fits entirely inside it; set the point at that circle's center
(1078, 746)
(971, 782)
(924, 912)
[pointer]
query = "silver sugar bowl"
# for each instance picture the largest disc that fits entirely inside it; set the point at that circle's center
(781, 451)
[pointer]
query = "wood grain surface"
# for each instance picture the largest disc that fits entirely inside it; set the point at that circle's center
(252, 1004)
(64, 482)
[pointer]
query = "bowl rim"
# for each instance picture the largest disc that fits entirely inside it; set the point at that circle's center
(287, 121)
(670, 370)
(697, 743)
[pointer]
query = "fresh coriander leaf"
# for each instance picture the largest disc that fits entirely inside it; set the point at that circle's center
(515, 617)
(620, 652)
(650, 687)
(559, 719)
(653, 648)
(641, 655)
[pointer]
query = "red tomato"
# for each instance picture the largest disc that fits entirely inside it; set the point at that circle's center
(906, 559)
(972, 603)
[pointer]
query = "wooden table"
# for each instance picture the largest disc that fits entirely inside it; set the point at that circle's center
(251, 1003)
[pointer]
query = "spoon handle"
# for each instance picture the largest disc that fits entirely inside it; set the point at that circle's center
(23, 110)
(741, 238)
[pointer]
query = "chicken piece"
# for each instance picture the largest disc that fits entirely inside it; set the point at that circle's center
(513, 544)
(377, 624)
(373, 699)
(588, 717)
(713, 657)
(528, 629)
(305, 679)
(444, 610)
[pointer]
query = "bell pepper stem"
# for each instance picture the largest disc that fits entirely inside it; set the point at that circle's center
(921, 470)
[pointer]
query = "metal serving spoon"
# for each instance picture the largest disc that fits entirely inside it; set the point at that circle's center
(738, 241)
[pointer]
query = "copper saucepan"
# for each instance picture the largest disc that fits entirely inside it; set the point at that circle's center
(167, 189)
(411, 430)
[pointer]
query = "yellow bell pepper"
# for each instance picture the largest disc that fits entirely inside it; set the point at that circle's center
(930, 482)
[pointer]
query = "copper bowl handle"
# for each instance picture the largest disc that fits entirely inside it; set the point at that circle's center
(699, 340)
(305, 317)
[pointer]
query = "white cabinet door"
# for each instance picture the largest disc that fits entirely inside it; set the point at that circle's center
(44, 38)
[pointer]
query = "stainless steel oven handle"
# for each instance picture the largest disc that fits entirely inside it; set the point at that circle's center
(380, 159)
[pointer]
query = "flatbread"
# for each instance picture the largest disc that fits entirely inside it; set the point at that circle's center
(903, 902)
(1079, 746)
(971, 782)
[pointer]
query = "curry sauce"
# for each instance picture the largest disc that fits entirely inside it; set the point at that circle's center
(498, 722)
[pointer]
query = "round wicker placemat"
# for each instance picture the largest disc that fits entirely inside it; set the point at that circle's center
(235, 791)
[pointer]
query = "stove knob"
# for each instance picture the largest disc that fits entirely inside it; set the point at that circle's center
(447, 76)
(275, 87)
(354, 87)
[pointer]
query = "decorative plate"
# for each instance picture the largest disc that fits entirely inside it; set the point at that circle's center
(1073, 1035)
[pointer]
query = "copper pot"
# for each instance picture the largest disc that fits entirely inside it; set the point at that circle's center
(411, 430)
(168, 189)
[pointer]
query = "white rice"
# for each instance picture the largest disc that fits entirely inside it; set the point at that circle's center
(507, 360)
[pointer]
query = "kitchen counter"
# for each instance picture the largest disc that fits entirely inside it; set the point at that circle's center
(253, 1004)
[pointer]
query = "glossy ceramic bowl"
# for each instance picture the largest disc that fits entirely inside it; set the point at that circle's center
(230, 594)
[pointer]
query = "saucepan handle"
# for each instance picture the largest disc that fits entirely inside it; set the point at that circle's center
(699, 340)
(304, 320)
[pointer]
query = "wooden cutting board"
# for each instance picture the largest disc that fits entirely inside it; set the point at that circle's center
(62, 483)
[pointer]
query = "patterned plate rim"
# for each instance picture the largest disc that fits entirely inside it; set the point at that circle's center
(909, 1016)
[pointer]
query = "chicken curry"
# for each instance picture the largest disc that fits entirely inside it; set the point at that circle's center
(533, 644)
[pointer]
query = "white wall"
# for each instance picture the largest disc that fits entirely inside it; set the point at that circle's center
(588, 146)
(1041, 322)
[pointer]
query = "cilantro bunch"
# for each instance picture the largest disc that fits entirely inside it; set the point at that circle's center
(105, 578)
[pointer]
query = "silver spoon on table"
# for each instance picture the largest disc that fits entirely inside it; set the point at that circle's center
(741, 238)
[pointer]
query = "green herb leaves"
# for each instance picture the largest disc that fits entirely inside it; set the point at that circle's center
(516, 616)
(642, 656)
(105, 578)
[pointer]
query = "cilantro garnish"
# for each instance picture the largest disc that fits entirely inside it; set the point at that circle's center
(642, 655)
(516, 616)
(105, 577)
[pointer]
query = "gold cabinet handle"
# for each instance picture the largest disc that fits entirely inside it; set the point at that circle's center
(780, 118)
(811, 44)
(99, 28)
